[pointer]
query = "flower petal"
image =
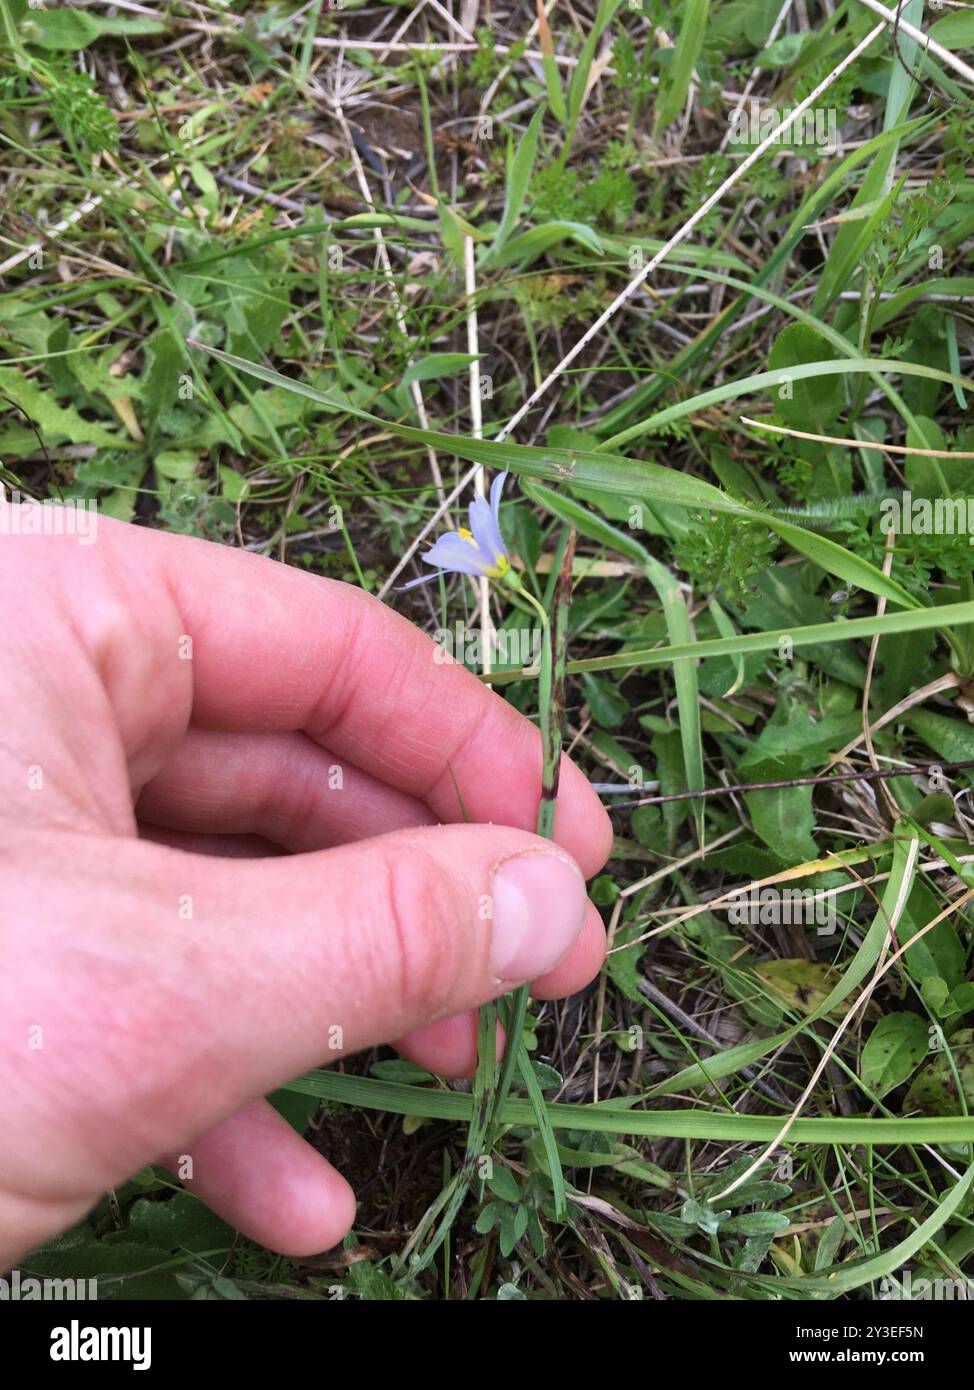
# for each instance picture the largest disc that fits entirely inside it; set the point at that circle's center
(452, 552)
(485, 526)
(496, 488)
(415, 583)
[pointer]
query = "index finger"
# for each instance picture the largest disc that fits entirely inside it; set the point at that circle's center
(275, 649)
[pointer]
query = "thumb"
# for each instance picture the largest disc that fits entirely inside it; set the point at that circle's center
(283, 964)
(351, 947)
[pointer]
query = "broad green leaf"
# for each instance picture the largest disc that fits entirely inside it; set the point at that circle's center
(252, 298)
(503, 1184)
(206, 184)
(792, 743)
(960, 1000)
(177, 464)
(893, 1051)
(783, 819)
(436, 365)
(56, 422)
(804, 985)
(129, 26)
(64, 28)
(783, 52)
(756, 1223)
(609, 708)
(934, 993)
(939, 951)
(488, 1217)
(814, 403)
(954, 31)
(235, 488)
(950, 739)
(936, 1091)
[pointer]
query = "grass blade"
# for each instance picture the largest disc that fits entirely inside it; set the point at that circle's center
(518, 177)
(689, 44)
(844, 630)
(674, 612)
(612, 1118)
(632, 478)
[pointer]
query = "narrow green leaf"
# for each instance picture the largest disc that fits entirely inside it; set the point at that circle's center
(675, 85)
(614, 474)
(842, 630)
(396, 1099)
(771, 381)
(674, 612)
(518, 179)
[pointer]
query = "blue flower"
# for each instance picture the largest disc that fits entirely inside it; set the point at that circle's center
(479, 550)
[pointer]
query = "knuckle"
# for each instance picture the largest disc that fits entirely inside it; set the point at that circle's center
(286, 819)
(425, 913)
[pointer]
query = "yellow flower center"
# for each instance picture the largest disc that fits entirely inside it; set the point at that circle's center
(501, 563)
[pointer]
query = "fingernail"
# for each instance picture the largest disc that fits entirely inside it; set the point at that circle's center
(539, 907)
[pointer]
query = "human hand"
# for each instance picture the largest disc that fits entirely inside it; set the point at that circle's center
(172, 710)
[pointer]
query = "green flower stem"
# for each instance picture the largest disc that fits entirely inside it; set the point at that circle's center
(489, 1092)
(518, 1001)
(551, 698)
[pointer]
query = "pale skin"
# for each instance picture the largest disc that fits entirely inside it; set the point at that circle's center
(187, 908)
